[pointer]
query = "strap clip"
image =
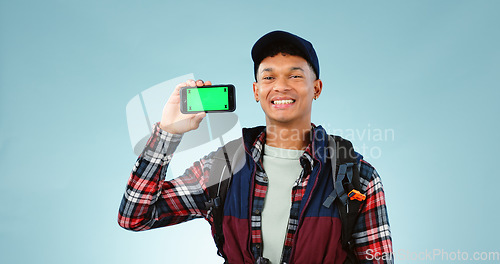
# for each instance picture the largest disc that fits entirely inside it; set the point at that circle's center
(356, 195)
(213, 203)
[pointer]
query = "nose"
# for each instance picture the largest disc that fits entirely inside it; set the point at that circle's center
(281, 85)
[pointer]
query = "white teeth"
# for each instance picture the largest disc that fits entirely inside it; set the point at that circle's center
(283, 102)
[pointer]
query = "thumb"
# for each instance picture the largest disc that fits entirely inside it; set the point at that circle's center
(196, 120)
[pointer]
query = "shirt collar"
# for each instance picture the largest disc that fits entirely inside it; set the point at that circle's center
(306, 160)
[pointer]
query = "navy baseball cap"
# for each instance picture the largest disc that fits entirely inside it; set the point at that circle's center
(278, 36)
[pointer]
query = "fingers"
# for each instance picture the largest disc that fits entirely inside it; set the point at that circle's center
(179, 86)
(174, 97)
(202, 83)
(193, 83)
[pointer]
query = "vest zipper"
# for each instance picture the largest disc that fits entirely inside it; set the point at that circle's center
(250, 206)
(301, 216)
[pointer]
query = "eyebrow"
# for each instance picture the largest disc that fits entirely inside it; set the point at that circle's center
(291, 69)
(296, 68)
(267, 70)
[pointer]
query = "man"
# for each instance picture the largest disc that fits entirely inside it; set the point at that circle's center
(273, 212)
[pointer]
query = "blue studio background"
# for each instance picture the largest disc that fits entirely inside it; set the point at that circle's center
(414, 84)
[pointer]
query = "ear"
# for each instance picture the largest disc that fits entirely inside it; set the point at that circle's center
(256, 91)
(318, 87)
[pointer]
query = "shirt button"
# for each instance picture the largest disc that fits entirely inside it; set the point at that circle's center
(257, 246)
(257, 212)
(266, 179)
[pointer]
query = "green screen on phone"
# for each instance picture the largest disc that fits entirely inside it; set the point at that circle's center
(207, 99)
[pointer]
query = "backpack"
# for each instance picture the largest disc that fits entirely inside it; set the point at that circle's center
(346, 195)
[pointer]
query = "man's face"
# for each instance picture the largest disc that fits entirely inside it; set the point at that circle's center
(286, 86)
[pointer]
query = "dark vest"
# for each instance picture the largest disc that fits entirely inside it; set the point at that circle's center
(317, 239)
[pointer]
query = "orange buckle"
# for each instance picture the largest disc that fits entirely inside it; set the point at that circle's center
(356, 195)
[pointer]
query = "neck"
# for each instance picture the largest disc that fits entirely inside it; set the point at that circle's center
(287, 137)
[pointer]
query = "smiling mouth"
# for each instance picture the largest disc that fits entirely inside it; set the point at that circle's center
(282, 102)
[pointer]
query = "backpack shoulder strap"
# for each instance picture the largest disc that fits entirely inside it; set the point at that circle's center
(227, 160)
(344, 172)
(347, 189)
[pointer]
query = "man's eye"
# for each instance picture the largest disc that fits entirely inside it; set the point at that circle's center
(267, 78)
(296, 76)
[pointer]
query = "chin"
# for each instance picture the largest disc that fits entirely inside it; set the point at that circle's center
(280, 119)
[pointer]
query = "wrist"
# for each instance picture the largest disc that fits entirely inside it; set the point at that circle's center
(168, 129)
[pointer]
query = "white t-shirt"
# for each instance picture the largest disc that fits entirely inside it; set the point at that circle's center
(282, 167)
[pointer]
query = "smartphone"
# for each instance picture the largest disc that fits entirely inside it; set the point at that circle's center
(210, 99)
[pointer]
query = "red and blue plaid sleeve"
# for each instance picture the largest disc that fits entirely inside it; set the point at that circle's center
(149, 200)
(372, 235)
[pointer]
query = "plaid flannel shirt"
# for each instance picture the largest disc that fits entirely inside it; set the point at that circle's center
(259, 195)
(150, 201)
